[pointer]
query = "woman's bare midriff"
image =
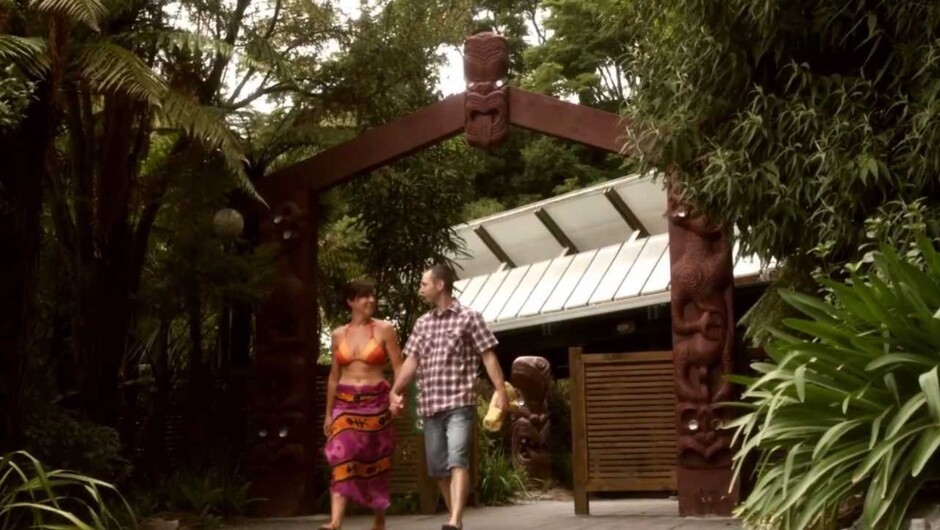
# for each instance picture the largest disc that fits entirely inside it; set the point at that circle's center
(360, 373)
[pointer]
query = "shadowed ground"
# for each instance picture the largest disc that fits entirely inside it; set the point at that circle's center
(544, 515)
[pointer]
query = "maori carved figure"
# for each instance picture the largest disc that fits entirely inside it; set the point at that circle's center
(532, 377)
(486, 107)
(278, 457)
(703, 346)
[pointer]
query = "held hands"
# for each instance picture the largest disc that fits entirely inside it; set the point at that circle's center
(396, 402)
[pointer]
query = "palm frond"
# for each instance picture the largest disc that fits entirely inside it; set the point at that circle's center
(28, 53)
(88, 12)
(111, 68)
(207, 125)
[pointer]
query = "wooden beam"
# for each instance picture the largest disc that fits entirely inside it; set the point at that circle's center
(568, 121)
(556, 231)
(374, 148)
(494, 247)
(625, 212)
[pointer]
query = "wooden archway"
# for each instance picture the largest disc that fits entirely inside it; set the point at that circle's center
(283, 457)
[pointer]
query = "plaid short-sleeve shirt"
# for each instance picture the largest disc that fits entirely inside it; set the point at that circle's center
(448, 345)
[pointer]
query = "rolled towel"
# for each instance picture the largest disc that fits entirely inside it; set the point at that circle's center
(493, 420)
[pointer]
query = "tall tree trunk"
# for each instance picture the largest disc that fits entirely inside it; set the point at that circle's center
(23, 151)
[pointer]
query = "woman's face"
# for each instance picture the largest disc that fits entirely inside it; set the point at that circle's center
(363, 305)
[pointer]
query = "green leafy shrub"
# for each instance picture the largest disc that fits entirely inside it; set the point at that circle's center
(499, 482)
(56, 437)
(32, 497)
(847, 412)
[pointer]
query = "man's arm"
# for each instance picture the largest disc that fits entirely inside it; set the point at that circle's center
(405, 374)
(491, 363)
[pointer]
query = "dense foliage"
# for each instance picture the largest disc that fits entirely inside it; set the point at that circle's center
(794, 121)
(845, 416)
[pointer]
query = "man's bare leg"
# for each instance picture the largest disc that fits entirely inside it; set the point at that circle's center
(444, 483)
(459, 487)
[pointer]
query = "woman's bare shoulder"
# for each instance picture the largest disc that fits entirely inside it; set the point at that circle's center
(385, 326)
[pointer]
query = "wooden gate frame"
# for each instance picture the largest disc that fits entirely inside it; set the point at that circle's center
(283, 458)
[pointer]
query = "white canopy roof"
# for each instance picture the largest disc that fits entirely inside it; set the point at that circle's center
(576, 255)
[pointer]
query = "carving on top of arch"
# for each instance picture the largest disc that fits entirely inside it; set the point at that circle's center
(486, 105)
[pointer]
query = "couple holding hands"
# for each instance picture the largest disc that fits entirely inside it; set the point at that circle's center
(444, 351)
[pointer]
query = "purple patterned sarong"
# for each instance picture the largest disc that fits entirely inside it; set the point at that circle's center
(362, 439)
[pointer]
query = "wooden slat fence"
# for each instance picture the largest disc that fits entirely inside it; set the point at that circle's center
(622, 423)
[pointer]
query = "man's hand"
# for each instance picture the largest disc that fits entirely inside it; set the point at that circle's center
(502, 401)
(396, 402)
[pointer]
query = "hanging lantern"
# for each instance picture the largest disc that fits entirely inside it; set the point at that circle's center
(228, 223)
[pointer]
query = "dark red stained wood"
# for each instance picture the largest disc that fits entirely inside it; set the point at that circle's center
(561, 119)
(375, 148)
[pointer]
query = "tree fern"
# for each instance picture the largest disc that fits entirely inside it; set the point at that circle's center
(111, 68)
(28, 53)
(208, 126)
(88, 12)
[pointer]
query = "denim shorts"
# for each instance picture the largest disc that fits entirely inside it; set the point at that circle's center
(447, 442)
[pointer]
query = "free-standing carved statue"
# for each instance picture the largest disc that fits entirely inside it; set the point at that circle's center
(703, 347)
(531, 424)
(486, 106)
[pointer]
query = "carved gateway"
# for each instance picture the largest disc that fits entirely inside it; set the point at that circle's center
(283, 457)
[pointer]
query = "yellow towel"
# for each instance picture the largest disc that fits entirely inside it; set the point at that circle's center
(493, 420)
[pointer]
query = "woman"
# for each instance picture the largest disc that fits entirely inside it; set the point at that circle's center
(358, 424)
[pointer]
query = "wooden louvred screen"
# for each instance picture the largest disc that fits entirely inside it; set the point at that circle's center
(623, 423)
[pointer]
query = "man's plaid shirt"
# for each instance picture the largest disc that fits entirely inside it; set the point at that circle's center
(448, 345)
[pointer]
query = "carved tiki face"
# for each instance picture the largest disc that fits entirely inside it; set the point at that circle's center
(486, 107)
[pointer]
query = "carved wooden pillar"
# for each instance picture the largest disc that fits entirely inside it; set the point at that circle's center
(282, 453)
(486, 104)
(703, 346)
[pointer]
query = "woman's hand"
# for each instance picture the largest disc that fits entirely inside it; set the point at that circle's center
(327, 425)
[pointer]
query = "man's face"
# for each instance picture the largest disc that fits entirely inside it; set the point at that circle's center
(431, 288)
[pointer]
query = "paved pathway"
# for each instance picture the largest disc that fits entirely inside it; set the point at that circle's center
(544, 515)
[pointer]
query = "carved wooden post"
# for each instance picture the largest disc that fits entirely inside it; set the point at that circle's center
(486, 104)
(703, 346)
(282, 454)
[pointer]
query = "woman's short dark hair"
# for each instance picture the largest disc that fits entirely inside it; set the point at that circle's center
(445, 274)
(358, 288)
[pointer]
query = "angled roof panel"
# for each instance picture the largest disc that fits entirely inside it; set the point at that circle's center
(510, 284)
(643, 266)
(618, 271)
(658, 280)
(546, 286)
(579, 265)
(519, 297)
(489, 288)
(592, 276)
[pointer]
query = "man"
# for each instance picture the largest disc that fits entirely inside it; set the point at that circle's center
(444, 349)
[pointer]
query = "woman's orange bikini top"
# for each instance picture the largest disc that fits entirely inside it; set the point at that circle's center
(373, 353)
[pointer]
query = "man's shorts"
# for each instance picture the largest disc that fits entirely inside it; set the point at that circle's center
(447, 442)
